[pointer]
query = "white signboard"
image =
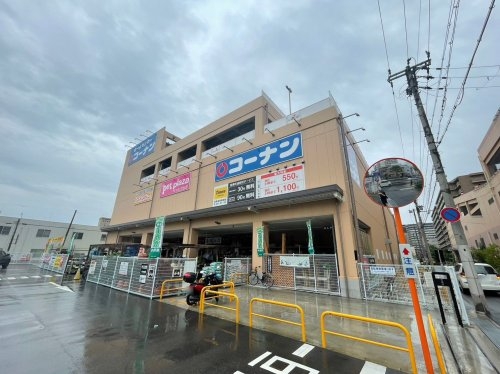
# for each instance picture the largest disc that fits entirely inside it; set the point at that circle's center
(92, 266)
(295, 261)
(383, 270)
(281, 182)
(407, 259)
(123, 268)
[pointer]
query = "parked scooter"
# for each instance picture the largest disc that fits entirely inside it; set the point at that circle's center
(198, 281)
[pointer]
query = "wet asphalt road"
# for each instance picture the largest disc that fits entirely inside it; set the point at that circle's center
(85, 328)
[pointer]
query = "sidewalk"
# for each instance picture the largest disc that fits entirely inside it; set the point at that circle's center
(465, 350)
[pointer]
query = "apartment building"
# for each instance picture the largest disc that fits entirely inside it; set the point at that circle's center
(480, 207)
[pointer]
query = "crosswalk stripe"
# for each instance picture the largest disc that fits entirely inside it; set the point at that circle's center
(303, 350)
(372, 368)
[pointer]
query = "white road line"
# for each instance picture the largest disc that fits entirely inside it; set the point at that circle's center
(64, 288)
(259, 359)
(11, 278)
(35, 276)
(303, 350)
(371, 368)
(48, 276)
(24, 277)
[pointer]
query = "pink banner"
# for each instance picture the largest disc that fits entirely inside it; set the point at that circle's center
(178, 184)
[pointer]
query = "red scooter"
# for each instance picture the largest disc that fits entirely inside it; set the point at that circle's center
(198, 281)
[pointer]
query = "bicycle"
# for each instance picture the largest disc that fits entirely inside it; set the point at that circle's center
(257, 276)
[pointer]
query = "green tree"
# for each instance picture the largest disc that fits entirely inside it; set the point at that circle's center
(446, 256)
(489, 255)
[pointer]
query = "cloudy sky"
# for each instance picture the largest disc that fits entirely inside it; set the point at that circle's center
(81, 79)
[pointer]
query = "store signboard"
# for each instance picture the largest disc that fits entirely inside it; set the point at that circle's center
(144, 195)
(175, 185)
(241, 190)
(143, 149)
(277, 152)
(295, 261)
(281, 182)
(220, 195)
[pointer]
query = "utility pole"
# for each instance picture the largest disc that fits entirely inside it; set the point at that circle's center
(421, 231)
(13, 234)
(476, 291)
(67, 231)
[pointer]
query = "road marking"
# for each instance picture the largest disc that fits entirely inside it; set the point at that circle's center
(371, 368)
(260, 358)
(35, 276)
(10, 278)
(25, 277)
(64, 288)
(303, 350)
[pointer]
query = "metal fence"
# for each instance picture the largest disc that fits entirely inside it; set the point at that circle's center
(236, 270)
(316, 273)
(140, 276)
(52, 262)
(388, 283)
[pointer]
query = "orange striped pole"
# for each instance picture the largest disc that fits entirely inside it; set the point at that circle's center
(416, 302)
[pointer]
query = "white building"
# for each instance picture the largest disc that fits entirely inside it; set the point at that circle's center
(21, 236)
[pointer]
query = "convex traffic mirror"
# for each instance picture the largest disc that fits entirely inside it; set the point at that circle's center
(393, 182)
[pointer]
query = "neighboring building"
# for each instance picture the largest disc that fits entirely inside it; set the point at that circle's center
(21, 236)
(252, 182)
(480, 207)
(458, 186)
(415, 239)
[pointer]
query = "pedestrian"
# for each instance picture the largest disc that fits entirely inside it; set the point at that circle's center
(383, 197)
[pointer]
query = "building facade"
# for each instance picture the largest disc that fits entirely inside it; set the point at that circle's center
(480, 207)
(458, 186)
(30, 237)
(416, 240)
(252, 182)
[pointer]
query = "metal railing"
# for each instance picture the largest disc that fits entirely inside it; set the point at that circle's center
(409, 349)
(302, 323)
(169, 289)
(437, 346)
(216, 294)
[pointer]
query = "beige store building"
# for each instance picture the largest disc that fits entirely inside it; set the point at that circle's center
(256, 169)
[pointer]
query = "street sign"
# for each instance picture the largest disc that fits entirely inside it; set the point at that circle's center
(450, 215)
(407, 260)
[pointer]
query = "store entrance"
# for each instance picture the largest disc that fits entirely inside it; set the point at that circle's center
(292, 237)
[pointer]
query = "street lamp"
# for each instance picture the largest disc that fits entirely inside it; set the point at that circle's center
(361, 141)
(359, 128)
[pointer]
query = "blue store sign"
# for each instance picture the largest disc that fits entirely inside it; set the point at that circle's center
(281, 150)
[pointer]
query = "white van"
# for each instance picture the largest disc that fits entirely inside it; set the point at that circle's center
(488, 277)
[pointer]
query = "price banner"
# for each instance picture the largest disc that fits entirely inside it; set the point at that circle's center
(281, 182)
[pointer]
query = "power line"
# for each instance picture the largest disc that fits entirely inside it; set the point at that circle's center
(471, 67)
(406, 30)
(389, 73)
(460, 95)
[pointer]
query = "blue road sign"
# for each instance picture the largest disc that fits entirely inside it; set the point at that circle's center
(450, 214)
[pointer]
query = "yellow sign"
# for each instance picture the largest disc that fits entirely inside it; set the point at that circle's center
(54, 243)
(220, 195)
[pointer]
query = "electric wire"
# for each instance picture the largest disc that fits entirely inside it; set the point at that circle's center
(389, 73)
(450, 52)
(406, 30)
(460, 95)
